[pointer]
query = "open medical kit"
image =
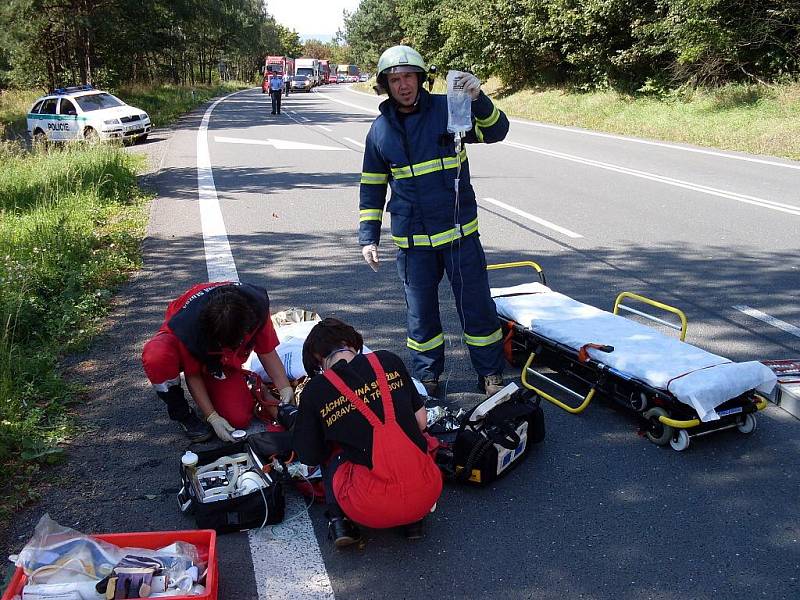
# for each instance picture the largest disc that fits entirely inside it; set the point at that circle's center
(230, 488)
(573, 352)
(484, 443)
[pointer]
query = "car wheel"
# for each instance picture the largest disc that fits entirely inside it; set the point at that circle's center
(90, 135)
(39, 139)
(141, 138)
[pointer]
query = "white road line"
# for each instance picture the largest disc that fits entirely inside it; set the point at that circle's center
(349, 88)
(285, 565)
(352, 141)
(219, 260)
(306, 120)
(769, 319)
(325, 128)
(279, 144)
(535, 219)
(755, 201)
(761, 161)
(373, 111)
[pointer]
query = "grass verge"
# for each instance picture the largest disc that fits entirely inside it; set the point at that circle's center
(757, 119)
(71, 223)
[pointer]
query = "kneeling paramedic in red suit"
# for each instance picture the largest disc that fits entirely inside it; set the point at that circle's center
(208, 333)
(363, 420)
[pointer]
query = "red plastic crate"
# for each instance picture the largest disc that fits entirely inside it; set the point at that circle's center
(205, 540)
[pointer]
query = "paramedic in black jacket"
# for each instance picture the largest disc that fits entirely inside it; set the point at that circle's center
(409, 149)
(328, 431)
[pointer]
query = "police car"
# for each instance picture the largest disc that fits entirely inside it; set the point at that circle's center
(84, 113)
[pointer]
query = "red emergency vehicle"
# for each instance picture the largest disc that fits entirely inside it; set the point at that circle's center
(324, 72)
(276, 64)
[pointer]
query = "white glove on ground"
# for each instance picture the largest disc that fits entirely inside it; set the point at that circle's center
(472, 85)
(221, 427)
(370, 252)
(287, 395)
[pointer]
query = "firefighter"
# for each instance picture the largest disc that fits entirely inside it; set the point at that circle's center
(435, 229)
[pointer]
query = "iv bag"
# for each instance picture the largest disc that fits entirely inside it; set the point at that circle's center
(459, 104)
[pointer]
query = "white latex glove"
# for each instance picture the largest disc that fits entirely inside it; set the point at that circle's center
(221, 427)
(287, 395)
(472, 85)
(370, 252)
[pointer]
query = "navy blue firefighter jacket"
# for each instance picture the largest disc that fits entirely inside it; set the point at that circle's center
(416, 156)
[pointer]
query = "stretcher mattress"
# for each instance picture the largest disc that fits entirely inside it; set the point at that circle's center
(695, 377)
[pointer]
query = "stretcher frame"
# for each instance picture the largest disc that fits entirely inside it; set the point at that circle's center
(662, 418)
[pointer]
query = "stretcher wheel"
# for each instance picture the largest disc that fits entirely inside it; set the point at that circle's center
(680, 441)
(658, 433)
(748, 424)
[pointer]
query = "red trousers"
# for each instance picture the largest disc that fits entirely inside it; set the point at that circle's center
(230, 397)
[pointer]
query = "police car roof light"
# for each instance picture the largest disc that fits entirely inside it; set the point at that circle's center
(74, 88)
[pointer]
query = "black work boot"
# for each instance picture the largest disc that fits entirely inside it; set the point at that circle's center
(491, 384)
(414, 531)
(195, 428)
(342, 531)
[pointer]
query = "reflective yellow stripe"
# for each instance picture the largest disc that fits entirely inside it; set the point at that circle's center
(374, 178)
(439, 239)
(490, 120)
(402, 242)
(470, 227)
(402, 172)
(422, 240)
(483, 340)
(432, 343)
(429, 166)
(478, 133)
(370, 214)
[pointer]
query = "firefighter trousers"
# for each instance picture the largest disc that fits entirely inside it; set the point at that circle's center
(421, 270)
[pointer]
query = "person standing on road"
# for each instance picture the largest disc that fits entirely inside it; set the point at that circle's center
(276, 91)
(362, 419)
(435, 228)
(431, 77)
(207, 334)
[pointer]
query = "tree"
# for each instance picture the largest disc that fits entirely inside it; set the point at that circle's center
(316, 49)
(370, 29)
(289, 42)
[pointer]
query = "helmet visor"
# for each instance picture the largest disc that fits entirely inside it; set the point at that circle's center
(403, 69)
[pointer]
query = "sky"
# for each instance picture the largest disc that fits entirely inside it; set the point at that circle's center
(311, 18)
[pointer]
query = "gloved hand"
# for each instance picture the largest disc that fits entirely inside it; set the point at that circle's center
(221, 427)
(472, 85)
(370, 252)
(287, 395)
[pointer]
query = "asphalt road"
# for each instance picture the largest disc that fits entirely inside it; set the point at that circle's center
(595, 511)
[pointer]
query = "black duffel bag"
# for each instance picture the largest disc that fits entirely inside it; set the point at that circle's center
(490, 443)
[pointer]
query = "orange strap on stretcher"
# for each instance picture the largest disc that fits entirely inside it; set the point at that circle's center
(583, 354)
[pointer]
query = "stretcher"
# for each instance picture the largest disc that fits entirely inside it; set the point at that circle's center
(573, 352)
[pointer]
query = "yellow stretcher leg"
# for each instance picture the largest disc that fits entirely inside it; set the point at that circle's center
(585, 400)
(688, 424)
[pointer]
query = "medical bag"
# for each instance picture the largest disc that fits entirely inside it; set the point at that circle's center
(496, 435)
(229, 489)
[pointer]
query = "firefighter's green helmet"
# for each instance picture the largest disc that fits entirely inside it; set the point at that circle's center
(400, 58)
